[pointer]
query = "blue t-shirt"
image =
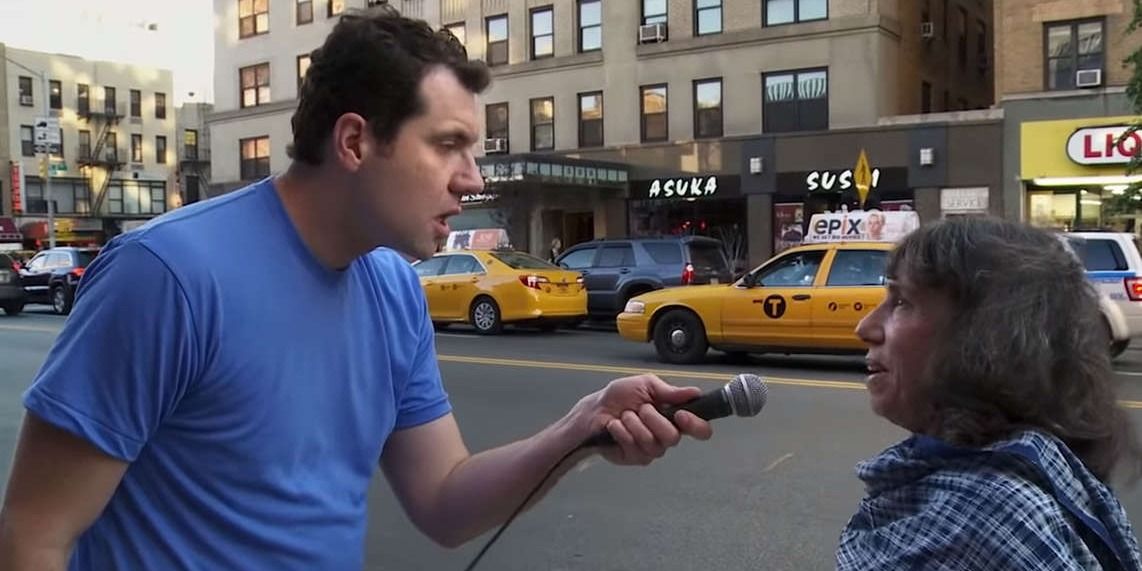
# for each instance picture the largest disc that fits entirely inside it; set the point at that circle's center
(250, 388)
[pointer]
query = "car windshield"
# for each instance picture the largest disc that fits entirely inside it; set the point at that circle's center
(522, 261)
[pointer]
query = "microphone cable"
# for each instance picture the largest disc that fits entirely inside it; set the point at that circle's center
(519, 509)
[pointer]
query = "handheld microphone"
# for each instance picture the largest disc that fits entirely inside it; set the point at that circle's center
(745, 395)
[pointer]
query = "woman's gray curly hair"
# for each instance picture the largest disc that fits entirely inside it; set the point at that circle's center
(1026, 345)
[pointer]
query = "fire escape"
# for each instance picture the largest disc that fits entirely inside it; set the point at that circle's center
(102, 153)
(194, 164)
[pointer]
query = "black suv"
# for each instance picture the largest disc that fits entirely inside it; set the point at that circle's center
(52, 275)
(615, 270)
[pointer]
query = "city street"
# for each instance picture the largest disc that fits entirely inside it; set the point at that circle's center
(770, 492)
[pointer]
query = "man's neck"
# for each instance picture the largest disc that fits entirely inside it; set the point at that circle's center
(313, 199)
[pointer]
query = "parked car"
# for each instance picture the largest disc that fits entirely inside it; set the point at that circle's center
(1113, 263)
(12, 296)
(615, 270)
(489, 288)
(52, 276)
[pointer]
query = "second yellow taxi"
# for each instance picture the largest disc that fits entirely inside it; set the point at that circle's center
(807, 299)
(490, 288)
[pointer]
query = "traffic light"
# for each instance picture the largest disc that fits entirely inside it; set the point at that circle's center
(44, 167)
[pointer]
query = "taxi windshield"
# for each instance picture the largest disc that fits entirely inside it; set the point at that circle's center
(521, 261)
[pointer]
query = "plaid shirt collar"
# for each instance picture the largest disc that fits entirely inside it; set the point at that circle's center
(924, 502)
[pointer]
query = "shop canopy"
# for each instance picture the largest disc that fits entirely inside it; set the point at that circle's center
(503, 172)
(8, 231)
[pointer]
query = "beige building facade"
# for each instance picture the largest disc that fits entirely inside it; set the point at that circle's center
(115, 164)
(635, 89)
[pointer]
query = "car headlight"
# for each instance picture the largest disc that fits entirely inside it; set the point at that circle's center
(634, 306)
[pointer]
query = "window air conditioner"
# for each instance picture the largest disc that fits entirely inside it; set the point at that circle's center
(652, 33)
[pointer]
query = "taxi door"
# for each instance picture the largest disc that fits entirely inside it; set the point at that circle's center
(429, 272)
(773, 305)
(855, 285)
(458, 284)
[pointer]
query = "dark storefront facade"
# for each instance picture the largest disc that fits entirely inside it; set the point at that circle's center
(936, 169)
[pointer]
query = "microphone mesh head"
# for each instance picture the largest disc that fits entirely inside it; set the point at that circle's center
(748, 394)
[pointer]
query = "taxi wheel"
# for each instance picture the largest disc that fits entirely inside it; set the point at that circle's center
(680, 338)
(485, 316)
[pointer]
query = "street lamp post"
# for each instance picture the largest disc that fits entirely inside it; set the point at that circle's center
(47, 158)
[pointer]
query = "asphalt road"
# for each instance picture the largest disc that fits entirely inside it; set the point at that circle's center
(770, 492)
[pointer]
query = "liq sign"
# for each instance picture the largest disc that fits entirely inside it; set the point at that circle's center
(1103, 145)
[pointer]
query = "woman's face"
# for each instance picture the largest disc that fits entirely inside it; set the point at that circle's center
(901, 335)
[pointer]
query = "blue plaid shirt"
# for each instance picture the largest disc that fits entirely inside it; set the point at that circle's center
(1027, 503)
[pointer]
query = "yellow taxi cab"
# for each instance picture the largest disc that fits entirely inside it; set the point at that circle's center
(490, 288)
(807, 299)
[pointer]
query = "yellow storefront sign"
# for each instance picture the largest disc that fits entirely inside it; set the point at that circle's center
(1072, 148)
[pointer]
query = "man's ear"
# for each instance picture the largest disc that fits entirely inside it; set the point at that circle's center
(350, 141)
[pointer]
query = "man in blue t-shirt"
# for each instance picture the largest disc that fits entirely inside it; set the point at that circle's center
(234, 371)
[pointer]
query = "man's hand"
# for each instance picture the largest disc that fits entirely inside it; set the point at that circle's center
(628, 409)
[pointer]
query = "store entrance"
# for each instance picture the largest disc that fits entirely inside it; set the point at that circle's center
(578, 227)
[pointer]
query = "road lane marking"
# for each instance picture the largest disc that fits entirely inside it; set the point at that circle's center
(29, 328)
(777, 462)
(721, 377)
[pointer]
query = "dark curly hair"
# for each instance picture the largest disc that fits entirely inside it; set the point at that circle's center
(372, 64)
(1026, 346)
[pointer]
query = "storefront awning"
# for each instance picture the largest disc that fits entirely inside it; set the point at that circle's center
(8, 231)
(500, 171)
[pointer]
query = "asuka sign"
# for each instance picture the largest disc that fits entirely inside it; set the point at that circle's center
(683, 188)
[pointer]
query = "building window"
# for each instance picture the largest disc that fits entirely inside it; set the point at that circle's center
(109, 104)
(253, 17)
(590, 25)
(190, 144)
(161, 149)
(707, 108)
(27, 97)
(255, 158)
(542, 32)
(55, 94)
(1071, 47)
(136, 103)
(255, 84)
(459, 31)
(652, 108)
(707, 17)
(160, 105)
(83, 99)
(796, 101)
(85, 144)
(543, 124)
(303, 62)
(111, 147)
(136, 148)
(136, 197)
(304, 12)
(653, 12)
(497, 34)
(59, 149)
(335, 8)
(27, 144)
(496, 121)
(591, 119)
(925, 97)
(779, 12)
